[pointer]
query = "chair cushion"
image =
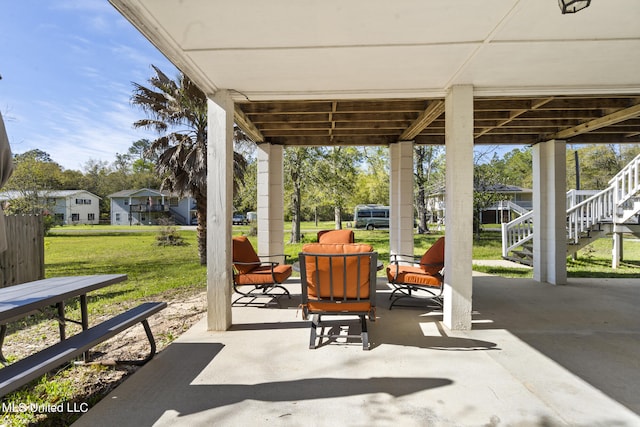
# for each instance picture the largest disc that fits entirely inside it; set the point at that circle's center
(324, 290)
(347, 307)
(413, 276)
(262, 275)
(433, 260)
(335, 236)
(243, 252)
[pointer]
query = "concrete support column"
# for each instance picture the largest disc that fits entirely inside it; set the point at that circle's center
(616, 250)
(459, 207)
(549, 212)
(270, 200)
(401, 198)
(219, 211)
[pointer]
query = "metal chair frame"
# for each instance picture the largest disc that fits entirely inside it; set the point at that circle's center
(409, 290)
(316, 315)
(259, 290)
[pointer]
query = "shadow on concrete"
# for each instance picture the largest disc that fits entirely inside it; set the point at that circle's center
(172, 386)
(590, 327)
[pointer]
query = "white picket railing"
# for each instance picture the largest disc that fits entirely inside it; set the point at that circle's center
(585, 215)
(517, 232)
(626, 183)
(614, 204)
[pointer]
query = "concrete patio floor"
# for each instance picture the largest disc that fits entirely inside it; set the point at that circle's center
(538, 355)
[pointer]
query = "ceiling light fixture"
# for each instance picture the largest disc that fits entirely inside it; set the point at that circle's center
(573, 6)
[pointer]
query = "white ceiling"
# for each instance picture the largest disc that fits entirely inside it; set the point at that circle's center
(346, 49)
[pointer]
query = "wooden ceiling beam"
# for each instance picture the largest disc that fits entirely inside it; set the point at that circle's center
(290, 118)
(433, 111)
(293, 107)
(246, 125)
(375, 117)
(389, 124)
(617, 117)
(602, 138)
(381, 106)
(535, 104)
(319, 141)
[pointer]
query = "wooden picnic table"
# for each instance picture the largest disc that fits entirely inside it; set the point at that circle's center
(19, 301)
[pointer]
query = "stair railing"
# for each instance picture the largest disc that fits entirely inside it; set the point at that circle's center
(626, 183)
(585, 215)
(605, 205)
(517, 232)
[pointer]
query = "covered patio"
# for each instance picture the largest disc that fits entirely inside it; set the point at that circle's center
(458, 73)
(398, 74)
(537, 355)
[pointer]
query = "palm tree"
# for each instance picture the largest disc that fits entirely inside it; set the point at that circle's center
(178, 112)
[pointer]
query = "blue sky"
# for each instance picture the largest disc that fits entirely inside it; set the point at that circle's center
(67, 69)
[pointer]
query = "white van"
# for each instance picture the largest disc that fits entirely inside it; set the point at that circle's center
(371, 217)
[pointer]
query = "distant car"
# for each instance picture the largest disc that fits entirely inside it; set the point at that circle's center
(239, 219)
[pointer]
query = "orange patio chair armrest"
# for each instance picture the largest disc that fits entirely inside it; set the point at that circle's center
(414, 259)
(257, 264)
(248, 263)
(274, 256)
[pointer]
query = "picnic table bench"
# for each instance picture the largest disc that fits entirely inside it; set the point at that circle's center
(20, 300)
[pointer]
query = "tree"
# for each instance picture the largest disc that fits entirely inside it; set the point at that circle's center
(486, 192)
(245, 199)
(337, 169)
(35, 175)
(177, 111)
(34, 171)
(372, 181)
(298, 163)
(516, 168)
(427, 163)
(139, 150)
(598, 164)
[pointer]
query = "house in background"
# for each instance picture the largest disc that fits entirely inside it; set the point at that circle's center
(69, 207)
(148, 206)
(515, 202)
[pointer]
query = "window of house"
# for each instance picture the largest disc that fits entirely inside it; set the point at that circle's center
(91, 217)
(75, 217)
(117, 217)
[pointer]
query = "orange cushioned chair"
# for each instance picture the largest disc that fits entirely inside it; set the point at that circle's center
(250, 270)
(336, 236)
(419, 277)
(338, 279)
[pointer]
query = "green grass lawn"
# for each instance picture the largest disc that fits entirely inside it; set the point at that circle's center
(156, 269)
(151, 269)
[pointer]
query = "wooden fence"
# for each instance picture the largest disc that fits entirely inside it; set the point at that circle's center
(23, 261)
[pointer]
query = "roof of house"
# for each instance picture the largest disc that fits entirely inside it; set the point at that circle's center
(140, 192)
(52, 194)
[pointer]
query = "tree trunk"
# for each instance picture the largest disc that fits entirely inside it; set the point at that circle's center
(423, 224)
(201, 230)
(338, 217)
(421, 181)
(295, 207)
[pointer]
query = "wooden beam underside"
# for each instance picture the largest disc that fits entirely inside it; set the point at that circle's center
(497, 121)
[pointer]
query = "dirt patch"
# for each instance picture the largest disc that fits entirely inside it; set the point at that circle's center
(93, 381)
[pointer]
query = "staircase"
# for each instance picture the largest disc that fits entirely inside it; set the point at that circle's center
(589, 217)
